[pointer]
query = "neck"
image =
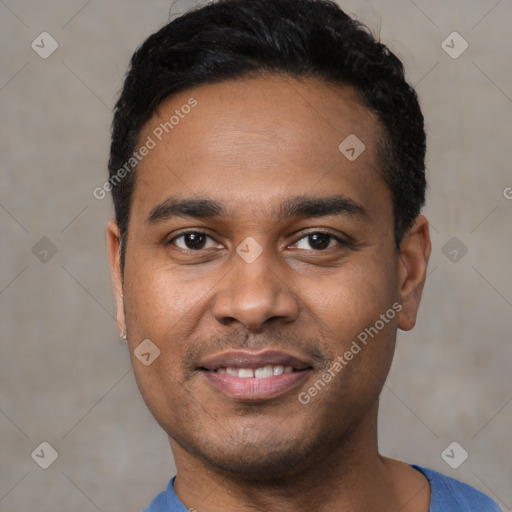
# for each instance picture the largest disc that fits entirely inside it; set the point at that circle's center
(350, 476)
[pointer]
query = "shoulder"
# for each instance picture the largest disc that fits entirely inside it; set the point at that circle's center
(450, 495)
(166, 501)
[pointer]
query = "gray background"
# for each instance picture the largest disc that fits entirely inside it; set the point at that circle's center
(65, 376)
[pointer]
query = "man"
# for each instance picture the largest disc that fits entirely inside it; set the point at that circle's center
(267, 171)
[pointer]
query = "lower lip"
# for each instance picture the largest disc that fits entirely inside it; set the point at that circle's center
(253, 389)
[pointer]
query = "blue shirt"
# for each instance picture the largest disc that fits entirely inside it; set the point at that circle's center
(447, 495)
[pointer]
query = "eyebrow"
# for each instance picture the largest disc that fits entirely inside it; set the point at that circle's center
(174, 207)
(300, 206)
(307, 206)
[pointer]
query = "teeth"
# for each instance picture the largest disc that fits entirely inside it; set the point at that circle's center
(278, 370)
(260, 373)
(263, 373)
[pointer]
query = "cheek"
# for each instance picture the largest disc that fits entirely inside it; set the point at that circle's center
(354, 297)
(156, 310)
(161, 388)
(159, 300)
(358, 306)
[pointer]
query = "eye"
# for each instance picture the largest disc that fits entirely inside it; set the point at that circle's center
(193, 241)
(318, 241)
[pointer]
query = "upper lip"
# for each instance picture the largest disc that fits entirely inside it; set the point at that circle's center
(244, 359)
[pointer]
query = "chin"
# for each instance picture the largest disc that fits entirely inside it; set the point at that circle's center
(259, 462)
(269, 457)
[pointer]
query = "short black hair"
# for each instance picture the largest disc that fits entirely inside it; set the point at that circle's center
(235, 39)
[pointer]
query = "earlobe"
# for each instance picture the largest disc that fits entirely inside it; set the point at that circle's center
(415, 251)
(114, 258)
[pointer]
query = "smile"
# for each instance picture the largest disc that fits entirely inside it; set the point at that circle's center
(254, 377)
(259, 373)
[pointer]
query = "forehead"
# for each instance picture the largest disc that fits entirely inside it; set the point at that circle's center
(257, 138)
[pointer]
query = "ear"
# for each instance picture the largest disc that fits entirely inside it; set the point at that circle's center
(114, 258)
(412, 270)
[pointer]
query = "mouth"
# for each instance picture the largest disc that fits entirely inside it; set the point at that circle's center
(264, 372)
(254, 376)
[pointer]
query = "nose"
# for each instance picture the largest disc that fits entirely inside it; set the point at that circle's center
(255, 294)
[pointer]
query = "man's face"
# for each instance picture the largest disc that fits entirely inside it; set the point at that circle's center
(293, 262)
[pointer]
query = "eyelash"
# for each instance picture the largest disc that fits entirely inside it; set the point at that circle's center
(341, 242)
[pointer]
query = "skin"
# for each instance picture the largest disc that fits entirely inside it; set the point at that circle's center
(251, 145)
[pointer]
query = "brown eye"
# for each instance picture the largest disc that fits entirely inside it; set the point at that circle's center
(191, 241)
(318, 241)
